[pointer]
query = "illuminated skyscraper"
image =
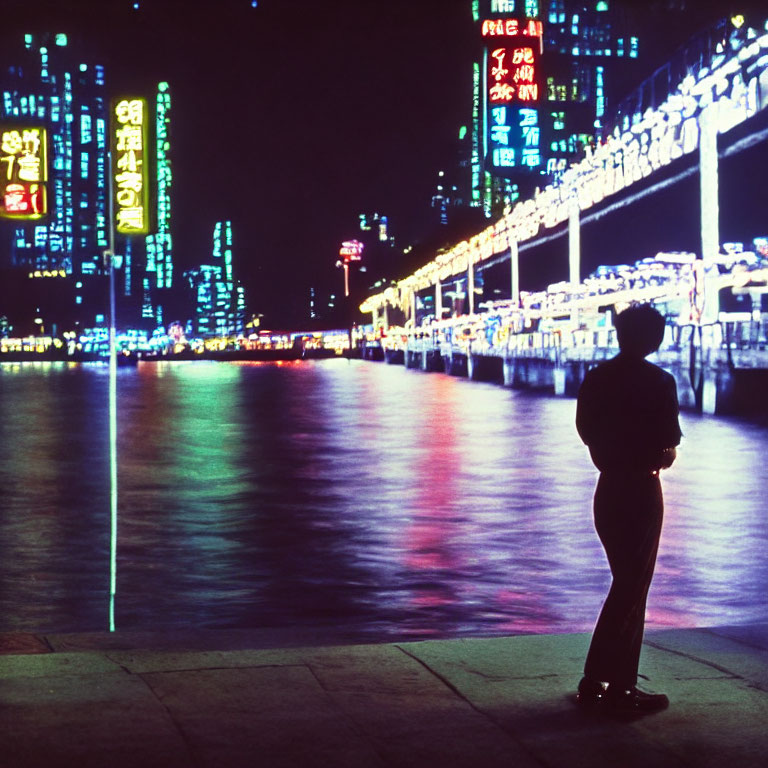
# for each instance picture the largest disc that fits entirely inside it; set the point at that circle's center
(540, 90)
(219, 297)
(159, 244)
(47, 86)
(588, 48)
(147, 270)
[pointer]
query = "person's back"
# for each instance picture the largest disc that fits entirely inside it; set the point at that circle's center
(627, 415)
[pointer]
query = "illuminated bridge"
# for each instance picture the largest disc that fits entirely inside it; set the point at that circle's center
(662, 167)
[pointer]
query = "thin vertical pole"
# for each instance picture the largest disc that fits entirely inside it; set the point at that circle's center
(471, 283)
(112, 447)
(110, 256)
(574, 243)
(709, 185)
(574, 251)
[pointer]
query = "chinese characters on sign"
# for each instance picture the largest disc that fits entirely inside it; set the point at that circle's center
(512, 95)
(515, 137)
(130, 177)
(512, 75)
(23, 172)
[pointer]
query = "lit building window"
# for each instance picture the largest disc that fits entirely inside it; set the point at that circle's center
(85, 129)
(599, 92)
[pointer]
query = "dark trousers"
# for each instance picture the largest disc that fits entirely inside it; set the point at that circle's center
(628, 514)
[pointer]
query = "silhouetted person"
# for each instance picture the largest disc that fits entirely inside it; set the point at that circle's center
(627, 414)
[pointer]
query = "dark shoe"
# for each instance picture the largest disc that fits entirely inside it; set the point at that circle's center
(633, 700)
(591, 693)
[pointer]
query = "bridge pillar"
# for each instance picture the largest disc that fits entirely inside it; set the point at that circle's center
(558, 376)
(709, 392)
(574, 242)
(709, 184)
(509, 371)
(514, 261)
(471, 283)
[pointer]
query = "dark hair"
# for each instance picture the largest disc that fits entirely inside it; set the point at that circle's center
(640, 330)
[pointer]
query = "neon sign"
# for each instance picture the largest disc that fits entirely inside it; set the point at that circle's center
(512, 94)
(351, 250)
(130, 176)
(512, 74)
(514, 137)
(511, 28)
(23, 172)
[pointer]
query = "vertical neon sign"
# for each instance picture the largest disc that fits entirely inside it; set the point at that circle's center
(513, 92)
(23, 172)
(129, 172)
(477, 171)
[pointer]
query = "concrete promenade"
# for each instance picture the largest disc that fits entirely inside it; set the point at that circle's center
(222, 699)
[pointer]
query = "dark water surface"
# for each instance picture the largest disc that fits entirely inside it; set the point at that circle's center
(345, 496)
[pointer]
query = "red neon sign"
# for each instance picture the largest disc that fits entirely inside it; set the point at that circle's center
(351, 250)
(512, 28)
(512, 75)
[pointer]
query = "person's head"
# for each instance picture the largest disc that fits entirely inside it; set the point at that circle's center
(640, 330)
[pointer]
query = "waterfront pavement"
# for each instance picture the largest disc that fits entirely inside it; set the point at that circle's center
(226, 699)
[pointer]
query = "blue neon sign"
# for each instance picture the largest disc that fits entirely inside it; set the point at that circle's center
(514, 138)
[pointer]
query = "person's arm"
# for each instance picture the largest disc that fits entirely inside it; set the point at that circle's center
(671, 411)
(586, 413)
(670, 432)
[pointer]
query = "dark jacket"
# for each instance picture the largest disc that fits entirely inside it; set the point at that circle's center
(627, 413)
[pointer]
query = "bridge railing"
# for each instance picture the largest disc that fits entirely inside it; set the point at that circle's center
(728, 298)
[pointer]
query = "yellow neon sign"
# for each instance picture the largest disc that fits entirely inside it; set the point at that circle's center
(23, 172)
(129, 167)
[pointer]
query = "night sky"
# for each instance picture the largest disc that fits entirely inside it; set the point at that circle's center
(294, 117)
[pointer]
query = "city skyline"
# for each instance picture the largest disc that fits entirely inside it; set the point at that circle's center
(312, 123)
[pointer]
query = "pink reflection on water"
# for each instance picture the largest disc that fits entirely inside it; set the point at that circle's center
(430, 599)
(429, 538)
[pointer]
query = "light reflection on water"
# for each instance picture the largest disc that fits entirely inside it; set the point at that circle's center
(354, 497)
